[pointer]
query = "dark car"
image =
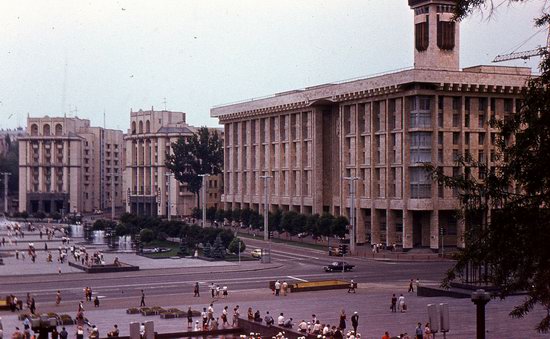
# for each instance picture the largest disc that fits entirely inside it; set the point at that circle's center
(338, 266)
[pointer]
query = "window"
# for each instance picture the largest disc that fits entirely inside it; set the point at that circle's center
(422, 35)
(456, 138)
(440, 138)
(420, 115)
(481, 139)
(421, 143)
(445, 34)
(467, 138)
(420, 183)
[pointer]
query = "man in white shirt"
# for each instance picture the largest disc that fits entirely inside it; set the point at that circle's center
(281, 320)
(302, 326)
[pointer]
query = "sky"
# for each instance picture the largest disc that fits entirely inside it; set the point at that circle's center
(87, 58)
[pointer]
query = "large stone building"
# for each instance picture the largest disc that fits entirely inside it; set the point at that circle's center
(380, 130)
(66, 165)
(149, 186)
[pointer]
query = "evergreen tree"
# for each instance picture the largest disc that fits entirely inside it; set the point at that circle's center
(218, 249)
(207, 250)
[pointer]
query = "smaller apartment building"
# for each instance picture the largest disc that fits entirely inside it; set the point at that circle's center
(150, 188)
(68, 166)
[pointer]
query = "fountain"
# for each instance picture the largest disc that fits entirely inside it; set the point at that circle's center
(76, 231)
(125, 243)
(98, 237)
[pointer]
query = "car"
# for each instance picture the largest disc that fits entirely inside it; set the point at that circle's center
(338, 266)
(257, 253)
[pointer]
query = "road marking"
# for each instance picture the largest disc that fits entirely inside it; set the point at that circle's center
(291, 277)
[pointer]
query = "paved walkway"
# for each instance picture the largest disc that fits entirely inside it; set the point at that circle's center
(371, 302)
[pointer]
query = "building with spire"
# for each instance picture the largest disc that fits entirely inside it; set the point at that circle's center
(380, 130)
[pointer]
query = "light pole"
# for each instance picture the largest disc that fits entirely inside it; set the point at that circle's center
(6, 174)
(266, 215)
(204, 176)
(169, 212)
(480, 298)
(352, 212)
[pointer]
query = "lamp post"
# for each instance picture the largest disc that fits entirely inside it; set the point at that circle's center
(480, 298)
(6, 174)
(204, 176)
(352, 212)
(266, 216)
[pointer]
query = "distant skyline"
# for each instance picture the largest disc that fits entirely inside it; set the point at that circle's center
(86, 58)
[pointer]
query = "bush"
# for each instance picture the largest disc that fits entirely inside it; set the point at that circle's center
(121, 230)
(40, 215)
(146, 235)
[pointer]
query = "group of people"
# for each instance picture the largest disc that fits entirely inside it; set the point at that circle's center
(215, 290)
(280, 288)
(211, 322)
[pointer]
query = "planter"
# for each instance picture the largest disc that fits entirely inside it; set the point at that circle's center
(168, 315)
(132, 311)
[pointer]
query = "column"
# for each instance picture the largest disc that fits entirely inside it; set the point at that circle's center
(434, 229)
(360, 225)
(390, 228)
(407, 229)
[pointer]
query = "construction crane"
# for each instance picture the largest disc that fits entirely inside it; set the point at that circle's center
(525, 54)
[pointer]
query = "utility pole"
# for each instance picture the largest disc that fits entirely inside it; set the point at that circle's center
(352, 212)
(6, 174)
(204, 176)
(112, 193)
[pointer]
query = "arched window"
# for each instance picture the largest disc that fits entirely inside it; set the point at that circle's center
(46, 129)
(147, 126)
(445, 35)
(34, 129)
(141, 127)
(58, 129)
(422, 35)
(133, 127)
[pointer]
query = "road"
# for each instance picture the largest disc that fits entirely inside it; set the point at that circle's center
(288, 263)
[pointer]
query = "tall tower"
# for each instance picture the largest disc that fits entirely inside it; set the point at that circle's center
(436, 35)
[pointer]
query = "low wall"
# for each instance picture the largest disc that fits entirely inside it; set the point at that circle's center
(105, 268)
(320, 285)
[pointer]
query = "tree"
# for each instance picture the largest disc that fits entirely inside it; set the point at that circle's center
(207, 250)
(339, 226)
(218, 249)
(9, 162)
(202, 153)
(234, 246)
(506, 209)
(146, 235)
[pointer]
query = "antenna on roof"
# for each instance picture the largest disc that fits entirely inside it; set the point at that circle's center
(164, 102)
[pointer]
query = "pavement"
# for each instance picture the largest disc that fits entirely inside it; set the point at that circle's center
(371, 301)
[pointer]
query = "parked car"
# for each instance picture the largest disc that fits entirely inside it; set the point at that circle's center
(303, 234)
(257, 253)
(339, 266)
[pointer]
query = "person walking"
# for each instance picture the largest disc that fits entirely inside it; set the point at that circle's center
(342, 323)
(58, 298)
(189, 318)
(393, 306)
(277, 288)
(236, 315)
(355, 321)
(96, 301)
(142, 302)
(213, 289)
(196, 292)
(351, 286)
(419, 333)
(63, 334)
(284, 287)
(411, 286)
(401, 303)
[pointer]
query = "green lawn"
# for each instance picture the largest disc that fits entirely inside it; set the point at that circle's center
(288, 241)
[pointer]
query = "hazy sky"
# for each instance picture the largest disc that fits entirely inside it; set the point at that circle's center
(87, 57)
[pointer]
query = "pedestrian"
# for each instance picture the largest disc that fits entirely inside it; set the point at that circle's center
(250, 314)
(419, 333)
(189, 318)
(386, 335)
(204, 316)
(411, 286)
(142, 302)
(197, 327)
(351, 286)
(96, 301)
(17, 334)
(236, 315)
(210, 312)
(196, 292)
(277, 288)
(393, 306)
(269, 321)
(428, 332)
(80, 332)
(342, 323)
(33, 306)
(55, 334)
(114, 332)
(284, 287)
(63, 334)
(225, 292)
(217, 291)
(355, 321)
(401, 303)
(58, 297)
(224, 317)
(213, 289)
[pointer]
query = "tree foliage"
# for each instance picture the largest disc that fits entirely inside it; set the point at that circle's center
(202, 153)
(505, 208)
(9, 163)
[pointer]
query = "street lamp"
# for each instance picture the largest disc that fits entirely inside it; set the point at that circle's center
(204, 176)
(352, 212)
(480, 298)
(266, 215)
